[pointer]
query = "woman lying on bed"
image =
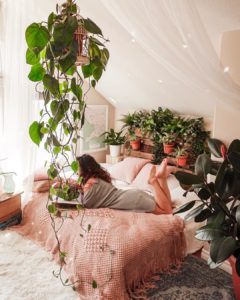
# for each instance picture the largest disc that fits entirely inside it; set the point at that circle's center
(98, 190)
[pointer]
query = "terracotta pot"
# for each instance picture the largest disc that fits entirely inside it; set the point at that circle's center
(168, 148)
(235, 277)
(135, 144)
(182, 161)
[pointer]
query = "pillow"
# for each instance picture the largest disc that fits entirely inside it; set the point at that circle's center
(127, 169)
(141, 181)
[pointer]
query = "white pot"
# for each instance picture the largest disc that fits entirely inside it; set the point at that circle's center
(115, 150)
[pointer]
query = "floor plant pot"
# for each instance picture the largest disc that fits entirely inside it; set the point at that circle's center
(168, 148)
(135, 145)
(115, 150)
(235, 277)
(182, 161)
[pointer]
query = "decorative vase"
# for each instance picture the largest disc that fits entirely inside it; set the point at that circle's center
(115, 150)
(9, 184)
(182, 161)
(135, 145)
(168, 148)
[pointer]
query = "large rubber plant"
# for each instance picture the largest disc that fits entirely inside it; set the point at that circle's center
(63, 53)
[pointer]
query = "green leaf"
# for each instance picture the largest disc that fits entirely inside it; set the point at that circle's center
(93, 83)
(204, 215)
(222, 248)
(67, 148)
(88, 70)
(37, 36)
(56, 150)
(94, 284)
(96, 41)
(234, 158)
(68, 61)
(51, 18)
(65, 30)
(52, 208)
(209, 233)
(52, 172)
(76, 89)
(215, 147)
(55, 141)
(65, 105)
(193, 213)
(234, 146)
(91, 27)
(75, 166)
(97, 73)
(217, 218)
(185, 207)
(54, 107)
(79, 206)
(37, 72)
(188, 178)
(51, 84)
(204, 194)
(203, 165)
(71, 70)
(89, 227)
(35, 132)
(223, 178)
(44, 130)
(32, 58)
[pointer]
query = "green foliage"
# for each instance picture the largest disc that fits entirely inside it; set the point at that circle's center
(113, 137)
(220, 200)
(166, 126)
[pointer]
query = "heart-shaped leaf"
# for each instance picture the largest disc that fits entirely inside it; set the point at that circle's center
(35, 132)
(37, 36)
(37, 72)
(222, 248)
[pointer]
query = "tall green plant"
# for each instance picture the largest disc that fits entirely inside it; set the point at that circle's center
(52, 54)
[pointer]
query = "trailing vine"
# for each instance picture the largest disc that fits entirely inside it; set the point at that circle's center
(63, 52)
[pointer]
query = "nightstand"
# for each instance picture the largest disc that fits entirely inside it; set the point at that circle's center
(113, 159)
(10, 209)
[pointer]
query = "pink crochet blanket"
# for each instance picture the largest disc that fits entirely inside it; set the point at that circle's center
(117, 249)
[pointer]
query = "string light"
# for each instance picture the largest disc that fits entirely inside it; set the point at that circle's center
(184, 46)
(133, 40)
(226, 69)
(160, 81)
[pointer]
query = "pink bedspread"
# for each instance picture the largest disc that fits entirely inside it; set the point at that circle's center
(120, 251)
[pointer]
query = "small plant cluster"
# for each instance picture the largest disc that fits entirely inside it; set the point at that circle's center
(113, 137)
(219, 200)
(164, 126)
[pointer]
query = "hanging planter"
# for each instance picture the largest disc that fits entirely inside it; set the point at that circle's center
(81, 36)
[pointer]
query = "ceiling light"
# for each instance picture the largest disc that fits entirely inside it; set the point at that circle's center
(226, 69)
(160, 81)
(133, 40)
(185, 46)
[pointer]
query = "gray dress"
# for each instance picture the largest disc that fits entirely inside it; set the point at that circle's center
(104, 194)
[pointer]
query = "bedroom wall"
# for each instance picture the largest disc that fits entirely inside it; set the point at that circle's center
(95, 98)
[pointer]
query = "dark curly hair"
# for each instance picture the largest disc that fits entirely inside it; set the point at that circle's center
(90, 168)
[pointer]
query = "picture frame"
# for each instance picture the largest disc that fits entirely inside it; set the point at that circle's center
(96, 123)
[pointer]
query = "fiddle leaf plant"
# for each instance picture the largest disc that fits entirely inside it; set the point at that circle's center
(55, 52)
(219, 200)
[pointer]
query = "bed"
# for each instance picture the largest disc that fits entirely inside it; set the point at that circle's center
(112, 254)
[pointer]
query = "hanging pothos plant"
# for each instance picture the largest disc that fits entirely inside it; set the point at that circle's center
(63, 52)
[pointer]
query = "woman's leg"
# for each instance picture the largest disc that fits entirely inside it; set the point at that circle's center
(161, 193)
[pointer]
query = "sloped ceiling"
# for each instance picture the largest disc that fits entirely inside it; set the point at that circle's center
(135, 80)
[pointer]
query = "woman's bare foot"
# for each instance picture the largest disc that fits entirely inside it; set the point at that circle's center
(152, 175)
(162, 170)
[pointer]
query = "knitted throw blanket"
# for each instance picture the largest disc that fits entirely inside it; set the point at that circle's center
(118, 250)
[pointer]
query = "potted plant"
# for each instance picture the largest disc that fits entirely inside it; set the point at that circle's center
(219, 202)
(168, 140)
(135, 141)
(181, 156)
(114, 139)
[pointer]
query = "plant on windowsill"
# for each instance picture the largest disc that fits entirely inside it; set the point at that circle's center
(115, 140)
(219, 201)
(63, 52)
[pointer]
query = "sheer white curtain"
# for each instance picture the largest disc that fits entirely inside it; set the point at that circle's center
(172, 32)
(19, 104)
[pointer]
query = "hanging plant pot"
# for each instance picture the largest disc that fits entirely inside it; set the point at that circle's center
(168, 148)
(235, 277)
(182, 161)
(135, 145)
(81, 36)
